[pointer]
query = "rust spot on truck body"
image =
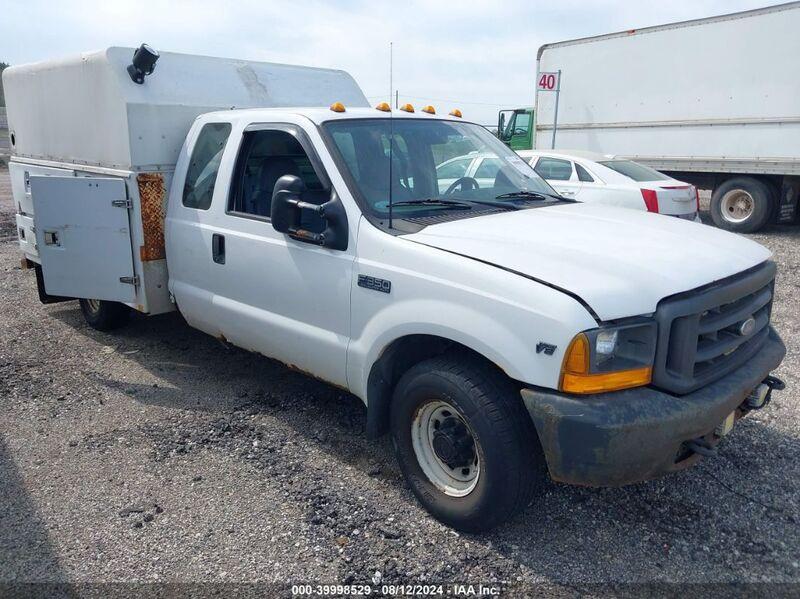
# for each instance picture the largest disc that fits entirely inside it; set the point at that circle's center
(152, 202)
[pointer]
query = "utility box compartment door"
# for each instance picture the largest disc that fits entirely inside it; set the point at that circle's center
(83, 234)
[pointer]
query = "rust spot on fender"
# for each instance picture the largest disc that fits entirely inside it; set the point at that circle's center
(152, 201)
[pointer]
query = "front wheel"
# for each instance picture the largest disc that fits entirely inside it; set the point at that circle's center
(465, 443)
(103, 315)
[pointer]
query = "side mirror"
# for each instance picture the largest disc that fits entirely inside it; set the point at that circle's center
(284, 213)
(287, 209)
(501, 124)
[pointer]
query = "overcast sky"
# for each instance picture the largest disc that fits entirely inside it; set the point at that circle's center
(478, 55)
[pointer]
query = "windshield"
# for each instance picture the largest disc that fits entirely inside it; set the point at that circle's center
(433, 161)
(634, 170)
(518, 126)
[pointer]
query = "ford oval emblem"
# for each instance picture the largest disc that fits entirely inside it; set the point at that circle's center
(747, 327)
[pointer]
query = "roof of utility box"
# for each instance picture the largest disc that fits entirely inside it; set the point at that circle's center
(86, 109)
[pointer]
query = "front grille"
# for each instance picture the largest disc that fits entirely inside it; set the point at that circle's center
(702, 334)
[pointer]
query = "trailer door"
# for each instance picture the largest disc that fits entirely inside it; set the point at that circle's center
(83, 236)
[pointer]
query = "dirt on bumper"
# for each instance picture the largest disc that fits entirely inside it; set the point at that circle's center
(623, 437)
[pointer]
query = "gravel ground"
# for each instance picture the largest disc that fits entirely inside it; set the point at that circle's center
(158, 454)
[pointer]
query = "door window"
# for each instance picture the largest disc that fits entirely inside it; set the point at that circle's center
(265, 157)
(488, 168)
(201, 176)
(583, 174)
(555, 169)
(453, 169)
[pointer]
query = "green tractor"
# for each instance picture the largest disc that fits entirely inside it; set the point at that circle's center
(515, 128)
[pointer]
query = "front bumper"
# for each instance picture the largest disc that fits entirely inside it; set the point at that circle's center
(617, 438)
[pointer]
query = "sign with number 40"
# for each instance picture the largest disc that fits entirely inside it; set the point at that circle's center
(548, 82)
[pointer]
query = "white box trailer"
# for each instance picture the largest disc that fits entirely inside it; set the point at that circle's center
(81, 130)
(714, 101)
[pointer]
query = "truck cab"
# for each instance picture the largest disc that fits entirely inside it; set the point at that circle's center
(515, 128)
(497, 330)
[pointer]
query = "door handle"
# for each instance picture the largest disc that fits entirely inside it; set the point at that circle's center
(218, 248)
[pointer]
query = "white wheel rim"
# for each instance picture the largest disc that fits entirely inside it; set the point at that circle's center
(93, 304)
(456, 481)
(737, 206)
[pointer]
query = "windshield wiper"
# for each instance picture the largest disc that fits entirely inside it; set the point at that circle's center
(539, 195)
(435, 202)
(495, 204)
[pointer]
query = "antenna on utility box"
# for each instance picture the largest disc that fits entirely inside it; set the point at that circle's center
(391, 135)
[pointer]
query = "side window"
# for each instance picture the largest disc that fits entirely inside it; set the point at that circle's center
(583, 174)
(488, 168)
(553, 168)
(265, 157)
(201, 175)
(453, 169)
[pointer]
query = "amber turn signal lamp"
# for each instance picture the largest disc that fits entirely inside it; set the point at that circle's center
(455, 112)
(429, 110)
(337, 107)
(383, 107)
(407, 108)
(575, 376)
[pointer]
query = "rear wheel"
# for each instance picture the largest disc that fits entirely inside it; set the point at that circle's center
(103, 315)
(743, 205)
(464, 441)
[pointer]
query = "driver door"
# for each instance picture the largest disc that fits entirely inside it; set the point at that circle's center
(281, 297)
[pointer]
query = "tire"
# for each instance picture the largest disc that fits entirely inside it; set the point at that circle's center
(103, 315)
(510, 464)
(742, 205)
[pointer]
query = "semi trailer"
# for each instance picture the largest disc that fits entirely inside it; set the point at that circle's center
(709, 101)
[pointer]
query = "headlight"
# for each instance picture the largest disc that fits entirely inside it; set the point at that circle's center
(609, 358)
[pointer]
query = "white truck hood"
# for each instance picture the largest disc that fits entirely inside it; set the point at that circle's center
(620, 262)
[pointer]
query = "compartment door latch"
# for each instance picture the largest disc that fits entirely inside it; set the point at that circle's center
(134, 280)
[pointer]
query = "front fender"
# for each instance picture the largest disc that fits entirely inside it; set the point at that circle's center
(498, 314)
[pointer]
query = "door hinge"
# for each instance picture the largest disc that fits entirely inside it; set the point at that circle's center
(134, 280)
(122, 204)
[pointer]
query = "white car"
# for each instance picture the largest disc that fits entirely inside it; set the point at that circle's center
(481, 166)
(607, 179)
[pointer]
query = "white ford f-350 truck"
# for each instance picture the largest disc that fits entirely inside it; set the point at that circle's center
(497, 330)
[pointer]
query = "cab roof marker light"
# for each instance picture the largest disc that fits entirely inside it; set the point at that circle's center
(456, 113)
(337, 107)
(407, 108)
(429, 110)
(383, 107)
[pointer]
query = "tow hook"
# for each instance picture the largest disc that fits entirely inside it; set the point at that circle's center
(758, 398)
(762, 394)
